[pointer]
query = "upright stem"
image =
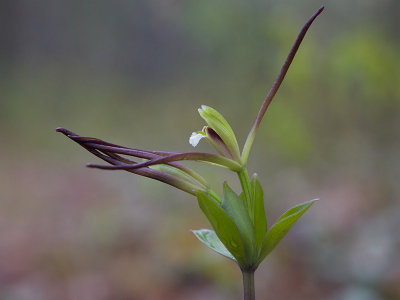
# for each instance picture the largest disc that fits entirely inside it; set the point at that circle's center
(245, 183)
(248, 285)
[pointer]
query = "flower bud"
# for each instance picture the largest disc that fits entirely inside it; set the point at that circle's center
(218, 132)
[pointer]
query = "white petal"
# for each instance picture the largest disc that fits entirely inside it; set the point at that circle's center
(195, 138)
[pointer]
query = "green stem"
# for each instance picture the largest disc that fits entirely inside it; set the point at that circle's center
(248, 285)
(245, 183)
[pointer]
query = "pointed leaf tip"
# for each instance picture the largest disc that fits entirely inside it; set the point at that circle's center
(282, 226)
(211, 240)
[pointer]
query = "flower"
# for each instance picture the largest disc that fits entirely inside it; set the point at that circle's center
(218, 133)
(196, 137)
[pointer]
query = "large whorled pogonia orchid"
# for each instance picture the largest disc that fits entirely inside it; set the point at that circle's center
(239, 221)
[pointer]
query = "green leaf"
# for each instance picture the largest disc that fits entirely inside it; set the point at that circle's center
(223, 225)
(233, 205)
(281, 227)
(242, 197)
(260, 220)
(211, 240)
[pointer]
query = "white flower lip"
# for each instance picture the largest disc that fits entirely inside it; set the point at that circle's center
(196, 137)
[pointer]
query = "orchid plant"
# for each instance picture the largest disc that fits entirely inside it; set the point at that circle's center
(239, 223)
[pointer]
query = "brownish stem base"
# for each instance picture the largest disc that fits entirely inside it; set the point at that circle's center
(248, 285)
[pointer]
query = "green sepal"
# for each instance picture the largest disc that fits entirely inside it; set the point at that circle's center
(233, 206)
(211, 240)
(224, 227)
(218, 123)
(281, 227)
(260, 219)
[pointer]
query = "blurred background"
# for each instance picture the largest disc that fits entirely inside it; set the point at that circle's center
(134, 73)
